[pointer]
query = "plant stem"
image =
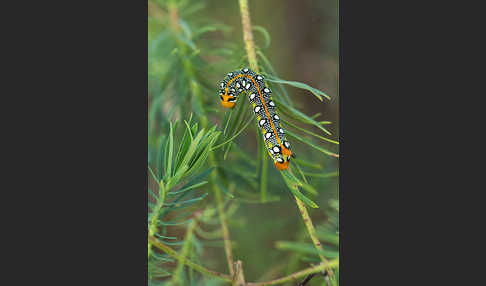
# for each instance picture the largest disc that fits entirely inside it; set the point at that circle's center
(252, 60)
(222, 215)
(297, 275)
(312, 232)
(294, 276)
(189, 263)
(248, 35)
(155, 215)
(176, 277)
(239, 278)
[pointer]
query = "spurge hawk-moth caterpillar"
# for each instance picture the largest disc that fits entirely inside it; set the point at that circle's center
(260, 97)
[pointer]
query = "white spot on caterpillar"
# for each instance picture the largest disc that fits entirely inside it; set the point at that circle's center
(247, 86)
(280, 160)
(245, 70)
(268, 135)
(281, 130)
(287, 144)
(243, 82)
(259, 77)
(262, 122)
(257, 108)
(276, 149)
(271, 152)
(252, 96)
(238, 85)
(222, 84)
(271, 103)
(266, 90)
(276, 117)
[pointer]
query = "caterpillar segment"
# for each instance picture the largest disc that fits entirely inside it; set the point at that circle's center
(260, 96)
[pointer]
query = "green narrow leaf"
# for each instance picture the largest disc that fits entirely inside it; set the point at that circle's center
(292, 185)
(265, 34)
(268, 65)
(297, 115)
(224, 190)
(200, 176)
(319, 94)
(171, 149)
(234, 136)
(190, 201)
(188, 188)
(173, 222)
(161, 157)
(321, 175)
(153, 175)
(295, 136)
(306, 163)
(309, 132)
(305, 248)
(184, 145)
(227, 121)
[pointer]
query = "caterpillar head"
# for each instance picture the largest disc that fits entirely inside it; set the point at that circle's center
(228, 101)
(282, 157)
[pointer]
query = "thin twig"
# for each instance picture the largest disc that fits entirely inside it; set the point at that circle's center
(297, 275)
(222, 217)
(307, 279)
(312, 232)
(153, 241)
(239, 278)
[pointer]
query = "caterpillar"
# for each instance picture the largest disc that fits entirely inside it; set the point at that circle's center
(260, 97)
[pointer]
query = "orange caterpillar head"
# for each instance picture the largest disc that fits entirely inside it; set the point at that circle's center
(283, 163)
(228, 101)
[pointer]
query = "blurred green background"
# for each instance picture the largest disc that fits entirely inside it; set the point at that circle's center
(304, 47)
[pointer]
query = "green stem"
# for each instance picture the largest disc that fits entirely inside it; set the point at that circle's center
(187, 262)
(155, 215)
(294, 276)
